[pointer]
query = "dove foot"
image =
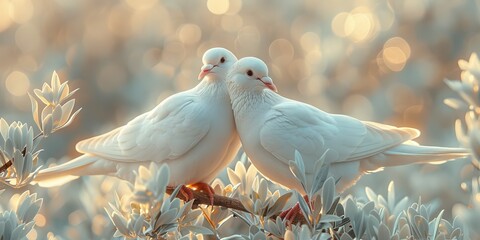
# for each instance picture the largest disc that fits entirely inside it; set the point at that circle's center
(186, 191)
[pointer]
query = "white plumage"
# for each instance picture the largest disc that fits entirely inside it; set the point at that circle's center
(192, 131)
(272, 127)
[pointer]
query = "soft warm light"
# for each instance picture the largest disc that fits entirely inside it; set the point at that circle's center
(396, 52)
(17, 83)
(338, 24)
(32, 234)
(5, 20)
(218, 6)
(358, 25)
(310, 41)
(21, 11)
(231, 23)
(141, 4)
(189, 33)
(281, 50)
(40, 220)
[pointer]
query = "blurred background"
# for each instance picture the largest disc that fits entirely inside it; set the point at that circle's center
(381, 61)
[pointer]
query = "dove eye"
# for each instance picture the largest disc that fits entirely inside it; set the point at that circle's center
(250, 73)
(222, 60)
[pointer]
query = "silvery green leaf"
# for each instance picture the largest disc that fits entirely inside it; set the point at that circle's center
(333, 207)
(57, 116)
(198, 230)
(421, 226)
(297, 172)
(18, 163)
(24, 202)
(328, 193)
(232, 176)
(166, 217)
(72, 118)
(40, 96)
(303, 206)
(139, 223)
(262, 190)
(17, 137)
(47, 125)
(4, 128)
(383, 232)
(67, 109)
(32, 210)
(34, 110)
(70, 94)
(175, 193)
(440, 236)
(319, 179)
(279, 204)
(247, 203)
(368, 207)
(27, 166)
(346, 237)
(63, 91)
(55, 82)
(192, 216)
(328, 218)
(9, 150)
(456, 233)
(434, 229)
(120, 223)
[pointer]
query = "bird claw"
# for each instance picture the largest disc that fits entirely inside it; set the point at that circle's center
(206, 188)
(187, 192)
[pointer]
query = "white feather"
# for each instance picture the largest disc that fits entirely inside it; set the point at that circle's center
(272, 127)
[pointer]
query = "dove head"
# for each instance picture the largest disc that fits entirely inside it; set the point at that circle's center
(216, 63)
(250, 74)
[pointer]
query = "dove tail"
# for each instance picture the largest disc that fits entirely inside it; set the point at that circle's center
(411, 154)
(66, 172)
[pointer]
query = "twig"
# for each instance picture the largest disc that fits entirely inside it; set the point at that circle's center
(227, 202)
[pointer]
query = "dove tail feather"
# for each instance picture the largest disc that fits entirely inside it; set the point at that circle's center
(66, 172)
(412, 154)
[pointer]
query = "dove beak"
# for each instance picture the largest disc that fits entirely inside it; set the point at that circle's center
(269, 83)
(205, 70)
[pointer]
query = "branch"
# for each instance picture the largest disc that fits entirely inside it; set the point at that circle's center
(227, 202)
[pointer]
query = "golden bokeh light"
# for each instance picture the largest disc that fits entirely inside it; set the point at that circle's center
(234, 6)
(21, 11)
(5, 20)
(310, 41)
(358, 25)
(17, 83)
(396, 52)
(218, 6)
(281, 50)
(189, 33)
(40, 220)
(141, 4)
(231, 23)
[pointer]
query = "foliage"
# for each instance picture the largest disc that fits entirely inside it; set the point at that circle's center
(146, 212)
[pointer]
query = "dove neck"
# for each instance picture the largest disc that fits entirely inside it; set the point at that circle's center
(251, 102)
(213, 88)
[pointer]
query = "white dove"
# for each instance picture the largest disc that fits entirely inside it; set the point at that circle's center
(192, 131)
(272, 127)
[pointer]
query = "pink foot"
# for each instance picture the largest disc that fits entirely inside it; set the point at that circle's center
(187, 193)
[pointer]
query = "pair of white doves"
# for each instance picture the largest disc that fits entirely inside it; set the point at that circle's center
(199, 131)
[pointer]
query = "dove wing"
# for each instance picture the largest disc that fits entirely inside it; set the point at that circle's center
(294, 125)
(167, 132)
